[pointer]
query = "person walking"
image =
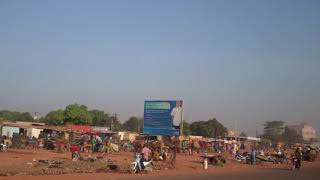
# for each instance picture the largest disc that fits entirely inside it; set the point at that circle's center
(93, 143)
(253, 156)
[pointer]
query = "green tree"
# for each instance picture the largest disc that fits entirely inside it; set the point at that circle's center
(8, 115)
(210, 128)
(243, 134)
(134, 124)
(291, 136)
(115, 124)
(99, 118)
(273, 130)
(199, 128)
(15, 116)
(25, 116)
(78, 114)
(186, 130)
(216, 129)
(55, 117)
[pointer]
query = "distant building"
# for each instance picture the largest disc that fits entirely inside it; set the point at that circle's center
(30, 129)
(306, 131)
(231, 133)
(36, 118)
(124, 135)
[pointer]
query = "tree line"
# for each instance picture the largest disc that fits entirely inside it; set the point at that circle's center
(277, 131)
(79, 114)
(15, 116)
(274, 131)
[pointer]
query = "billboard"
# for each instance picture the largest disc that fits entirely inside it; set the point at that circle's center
(162, 117)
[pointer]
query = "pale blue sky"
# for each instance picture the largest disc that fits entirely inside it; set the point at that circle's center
(249, 61)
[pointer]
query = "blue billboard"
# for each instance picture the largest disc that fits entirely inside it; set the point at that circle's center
(162, 117)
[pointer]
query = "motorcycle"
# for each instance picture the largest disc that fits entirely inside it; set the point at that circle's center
(135, 166)
(295, 163)
(75, 156)
(3, 147)
(241, 157)
(163, 155)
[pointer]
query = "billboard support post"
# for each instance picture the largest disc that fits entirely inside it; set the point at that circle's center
(181, 127)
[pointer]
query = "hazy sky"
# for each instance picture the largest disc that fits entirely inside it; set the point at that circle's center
(238, 61)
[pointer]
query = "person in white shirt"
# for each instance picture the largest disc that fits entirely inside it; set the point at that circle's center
(176, 115)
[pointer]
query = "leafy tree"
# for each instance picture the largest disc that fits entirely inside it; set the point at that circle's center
(186, 129)
(273, 130)
(26, 116)
(42, 119)
(115, 124)
(55, 117)
(15, 116)
(73, 113)
(78, 114)
(291, 136)
(108, 120)
(133, 124)
(99, 118)
(210, 128)
(199, 128)
(8, 115)
(243, 134)
(216, 129)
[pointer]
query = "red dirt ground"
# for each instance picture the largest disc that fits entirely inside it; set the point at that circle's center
(17, 164)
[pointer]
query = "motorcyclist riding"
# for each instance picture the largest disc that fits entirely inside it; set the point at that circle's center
(298, 155)
(146, 154)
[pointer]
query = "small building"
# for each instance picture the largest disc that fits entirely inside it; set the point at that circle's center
(30, 129)
(307, 132)
(242, 138)
(33, 132)
(129, 136)
(103, 132)
(100, 129)
(9, 131)
(195, 137)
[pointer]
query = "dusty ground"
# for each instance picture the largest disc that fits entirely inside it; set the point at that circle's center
(19, 164)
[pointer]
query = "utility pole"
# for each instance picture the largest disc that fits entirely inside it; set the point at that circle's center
(181, 125)
(114, 117)
(236, 129)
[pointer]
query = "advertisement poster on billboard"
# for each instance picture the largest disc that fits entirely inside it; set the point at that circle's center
(162, 117)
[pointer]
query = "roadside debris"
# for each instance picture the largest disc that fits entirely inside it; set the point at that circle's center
(51, 163)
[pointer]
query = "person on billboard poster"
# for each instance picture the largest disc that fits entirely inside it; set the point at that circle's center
(176, 115)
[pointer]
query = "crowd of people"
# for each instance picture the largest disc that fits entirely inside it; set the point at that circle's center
(160, 150)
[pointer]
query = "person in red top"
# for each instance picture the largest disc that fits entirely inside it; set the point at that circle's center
(75, 150)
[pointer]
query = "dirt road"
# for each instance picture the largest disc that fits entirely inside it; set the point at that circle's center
(305, 174)
(267, 174)
(188, 167)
